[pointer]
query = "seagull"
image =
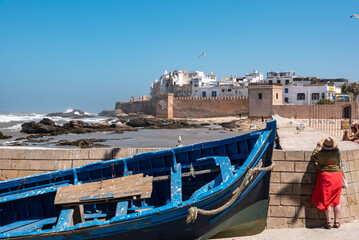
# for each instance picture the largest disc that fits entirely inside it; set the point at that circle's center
(355, 15)
(179, 142)
(303, 124)
(299, 128)
(202, 55)
(290, 122)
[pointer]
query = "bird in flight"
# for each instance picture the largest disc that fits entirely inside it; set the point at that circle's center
(355, 15)
(202, 55)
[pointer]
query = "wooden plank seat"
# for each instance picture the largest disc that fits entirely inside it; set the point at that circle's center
(32, 224)
(115, 189)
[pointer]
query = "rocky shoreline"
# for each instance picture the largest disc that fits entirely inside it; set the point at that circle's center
(38, 131)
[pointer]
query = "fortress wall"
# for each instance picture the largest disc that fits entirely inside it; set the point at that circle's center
(292, 180)
(146, 106)
(315, 111)
(184, 107)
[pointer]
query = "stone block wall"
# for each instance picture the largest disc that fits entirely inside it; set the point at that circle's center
(168, 106)
(146, 106)
(21, 162)
(203, 107)
(292, 183)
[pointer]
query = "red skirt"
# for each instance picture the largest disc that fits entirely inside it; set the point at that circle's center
(327, 189)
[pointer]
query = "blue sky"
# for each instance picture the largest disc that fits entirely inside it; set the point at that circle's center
(89, 54)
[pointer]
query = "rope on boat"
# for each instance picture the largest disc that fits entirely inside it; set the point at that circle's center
(194, 211)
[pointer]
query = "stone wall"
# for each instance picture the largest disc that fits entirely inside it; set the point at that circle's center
(168, 106)
(184, 107)
(292, 183)
(20, 162)
(292, 180)
(315, 111)
(146, 106)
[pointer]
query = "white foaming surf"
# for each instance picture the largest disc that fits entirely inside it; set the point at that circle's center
(20, 117)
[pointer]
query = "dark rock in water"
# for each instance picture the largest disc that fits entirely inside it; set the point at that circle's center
(48, 127)
(47, 121)
(32, 127)
(82, 143)
(75, 114)
(156, 123)
(2, 136)
(112, 113)
(231, 125)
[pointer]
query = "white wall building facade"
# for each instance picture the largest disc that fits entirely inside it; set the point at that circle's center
(284, 78)
(308, 94)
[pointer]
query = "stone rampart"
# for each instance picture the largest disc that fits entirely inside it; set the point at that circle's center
(167, 106)
(203, 107)
(292, 179)
(146, 106)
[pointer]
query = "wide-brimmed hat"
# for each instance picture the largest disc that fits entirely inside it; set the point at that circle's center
(328, 143)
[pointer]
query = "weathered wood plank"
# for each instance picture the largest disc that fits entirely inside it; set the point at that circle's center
(133, 186)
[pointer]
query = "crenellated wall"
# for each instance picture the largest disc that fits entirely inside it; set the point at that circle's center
(292, 180)
(146, 106)
(168, 106)
(203, 107)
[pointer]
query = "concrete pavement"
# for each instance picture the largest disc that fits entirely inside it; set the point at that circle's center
(348, 231)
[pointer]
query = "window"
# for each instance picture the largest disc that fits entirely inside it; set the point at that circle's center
(223, 90)
(189, 92)
(184, 92)
(286, 82)
(286, 100)
(203, 94)
(285, 90)
(229, 90)
(315, 96)
(259, 95)
(196, 85)
(276, 96)
(278, 81)
(178, 93)
(300, 96)
(214, 94)
(270, 82)
(323, 95)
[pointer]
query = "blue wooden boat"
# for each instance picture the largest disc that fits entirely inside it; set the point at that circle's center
(206, 190)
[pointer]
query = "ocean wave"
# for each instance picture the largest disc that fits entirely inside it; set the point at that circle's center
(20, 117)
(16, 127)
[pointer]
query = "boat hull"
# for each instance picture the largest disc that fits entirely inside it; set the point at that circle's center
(246, 217)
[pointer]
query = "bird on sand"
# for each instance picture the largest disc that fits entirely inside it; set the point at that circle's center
(202, 55)
(290, 122)
(299, 128)
(355, 15)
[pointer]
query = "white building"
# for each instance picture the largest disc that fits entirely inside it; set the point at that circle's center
(284, 78)
(308, 94)
(254, 77)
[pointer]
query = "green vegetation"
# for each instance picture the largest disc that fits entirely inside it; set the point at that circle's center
(351, 88)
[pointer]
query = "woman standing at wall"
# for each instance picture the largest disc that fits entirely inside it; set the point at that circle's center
(329, 182)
